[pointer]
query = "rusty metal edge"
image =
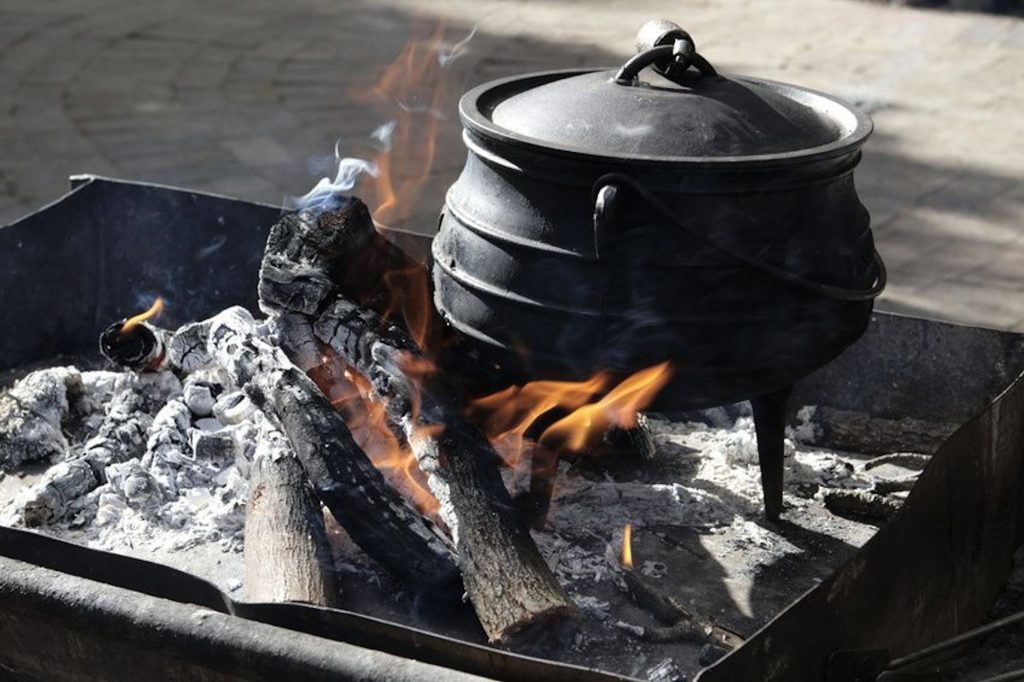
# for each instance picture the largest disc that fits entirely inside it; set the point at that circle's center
(931, 573)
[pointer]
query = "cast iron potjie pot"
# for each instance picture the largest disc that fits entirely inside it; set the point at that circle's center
(610, 220)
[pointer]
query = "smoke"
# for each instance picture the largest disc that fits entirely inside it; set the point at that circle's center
(329, 193)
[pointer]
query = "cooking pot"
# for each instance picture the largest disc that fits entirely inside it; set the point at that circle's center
(614, 219)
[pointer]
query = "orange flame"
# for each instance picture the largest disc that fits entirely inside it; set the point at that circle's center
(414, 90)
(366, 417)
(508, 415)
(627, 546)
(409, 298)
(133, 322)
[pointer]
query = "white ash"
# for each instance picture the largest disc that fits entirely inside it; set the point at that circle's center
(31, 413)
(718, 493)
(150, 472)
(186, 349)
(234, 408)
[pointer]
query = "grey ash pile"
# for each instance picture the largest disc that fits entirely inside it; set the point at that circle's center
(141, 460)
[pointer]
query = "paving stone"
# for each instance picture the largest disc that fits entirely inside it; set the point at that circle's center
(239, 101)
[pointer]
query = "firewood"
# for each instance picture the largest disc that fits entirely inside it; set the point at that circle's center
(310, 255)
(143, 348)
(310, 259)
(373, 514)
(506, 579)
(287, 556)
(31, 413)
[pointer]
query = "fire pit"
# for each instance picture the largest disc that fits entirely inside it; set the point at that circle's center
(945, 567)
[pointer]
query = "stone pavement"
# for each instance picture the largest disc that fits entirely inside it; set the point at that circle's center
(238, 98)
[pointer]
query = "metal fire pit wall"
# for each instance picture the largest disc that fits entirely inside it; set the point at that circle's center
(68, 612)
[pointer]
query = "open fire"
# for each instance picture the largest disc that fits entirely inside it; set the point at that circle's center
(341, 398)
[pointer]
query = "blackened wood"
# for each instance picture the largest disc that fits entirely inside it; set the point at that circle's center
(345, 480)
(143, 348)
(287, 556)
(511, 587)
(310, 255)
(635, 444)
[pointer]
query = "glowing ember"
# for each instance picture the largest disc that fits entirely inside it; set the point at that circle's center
(627, 546)
(507, 416)
(133, 322)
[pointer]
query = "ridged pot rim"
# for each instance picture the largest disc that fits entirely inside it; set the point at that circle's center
(475, 102)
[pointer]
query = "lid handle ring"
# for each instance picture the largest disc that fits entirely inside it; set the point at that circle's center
(669, 49)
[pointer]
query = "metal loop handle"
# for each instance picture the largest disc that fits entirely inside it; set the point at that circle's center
(827, 290)
(671, 61)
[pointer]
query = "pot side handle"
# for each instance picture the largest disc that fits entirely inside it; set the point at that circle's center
(608, 187)
(604, 215)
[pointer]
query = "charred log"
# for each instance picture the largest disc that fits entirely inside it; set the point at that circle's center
(345, 480)
(507, 580)
(311, 255)
(142, 348)
(287, 557)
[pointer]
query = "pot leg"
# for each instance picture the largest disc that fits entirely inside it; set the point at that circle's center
(770, 426)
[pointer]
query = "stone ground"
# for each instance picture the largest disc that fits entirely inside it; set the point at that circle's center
(237, 98)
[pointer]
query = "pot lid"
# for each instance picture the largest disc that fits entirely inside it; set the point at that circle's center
(679, 108)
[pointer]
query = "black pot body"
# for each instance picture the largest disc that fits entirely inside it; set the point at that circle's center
(524, 269)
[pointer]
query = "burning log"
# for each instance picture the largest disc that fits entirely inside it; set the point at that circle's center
(311, 255)
(507, 580)
(135, 344)
(345, 480)
(308, 260)
(287, 557)
(31, 414)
